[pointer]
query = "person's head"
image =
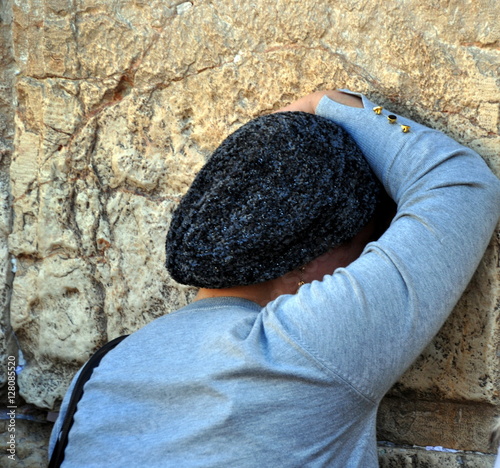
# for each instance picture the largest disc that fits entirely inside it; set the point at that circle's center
(281, 191)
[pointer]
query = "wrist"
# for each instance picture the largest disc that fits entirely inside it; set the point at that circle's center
(337, 96)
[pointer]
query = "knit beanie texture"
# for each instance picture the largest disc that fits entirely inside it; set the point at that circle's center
(277, 193)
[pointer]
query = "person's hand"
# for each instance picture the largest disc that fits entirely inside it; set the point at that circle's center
(308, 103)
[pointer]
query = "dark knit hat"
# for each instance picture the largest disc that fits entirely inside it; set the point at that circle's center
(277, 193)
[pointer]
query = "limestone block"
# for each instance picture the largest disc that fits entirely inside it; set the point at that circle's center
(7, 72)
(459, 426)
(120, 103)
(417, 457)
(32, 437)
(132, 263)
(91, 213)
(56, 301)
(7, 344)
(24, 168)
(45, 38)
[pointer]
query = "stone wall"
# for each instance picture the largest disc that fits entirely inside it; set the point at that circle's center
(116, 104)
(7, 99)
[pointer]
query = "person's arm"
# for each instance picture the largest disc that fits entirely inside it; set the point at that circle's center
(371, 320)
(310, 102)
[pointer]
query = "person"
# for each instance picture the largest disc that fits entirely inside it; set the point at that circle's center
(304, 318)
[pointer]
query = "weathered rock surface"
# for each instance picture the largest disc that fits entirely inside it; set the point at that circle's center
(118, 104)
(409, 457)
(462, 426)
(31, 444)
(7, 71)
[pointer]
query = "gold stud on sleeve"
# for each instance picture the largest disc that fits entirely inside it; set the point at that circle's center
(405, 128)
(392, 118)
(378, 110)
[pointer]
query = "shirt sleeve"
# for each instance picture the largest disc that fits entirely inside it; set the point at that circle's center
(368, 322)
(56, 430)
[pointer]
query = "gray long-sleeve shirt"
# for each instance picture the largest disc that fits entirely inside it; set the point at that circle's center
(226, 383)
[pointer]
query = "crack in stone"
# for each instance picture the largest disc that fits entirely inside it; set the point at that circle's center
(481, 45)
